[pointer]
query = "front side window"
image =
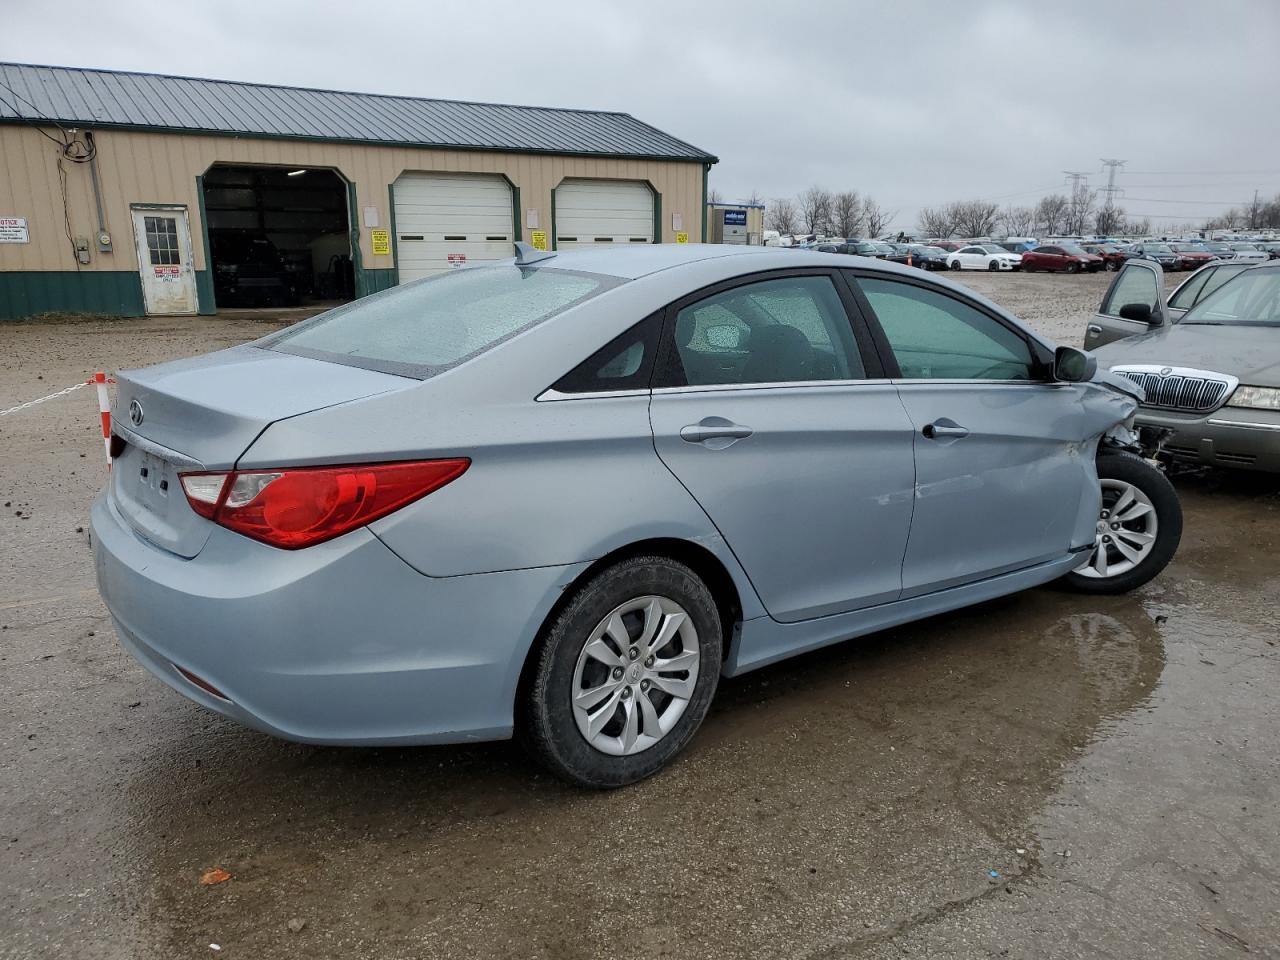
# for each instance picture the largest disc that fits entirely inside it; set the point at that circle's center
(936, 337)
(1187, 293)
(1136, 284)
(787, 330)
(433, 324)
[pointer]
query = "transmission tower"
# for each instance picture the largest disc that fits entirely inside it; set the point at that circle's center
(1079, 180)
(1111, 190)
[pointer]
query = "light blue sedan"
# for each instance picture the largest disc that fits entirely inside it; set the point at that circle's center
(562, 495)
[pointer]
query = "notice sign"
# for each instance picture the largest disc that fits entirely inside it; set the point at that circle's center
(14, 230)
(539, 239)
(167, 272)
(457, 259)
(381, 242)
(682, 237)
(735, 218)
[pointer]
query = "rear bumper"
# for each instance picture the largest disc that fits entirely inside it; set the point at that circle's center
(1229, 437)
(342, 643)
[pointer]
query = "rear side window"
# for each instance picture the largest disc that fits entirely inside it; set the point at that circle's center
(431, 325)
(787, 330)
(625, 363)
(936, 337)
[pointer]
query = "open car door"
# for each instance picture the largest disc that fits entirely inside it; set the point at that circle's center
(1133, 304)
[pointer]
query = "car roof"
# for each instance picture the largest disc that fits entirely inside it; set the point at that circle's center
(632, 261)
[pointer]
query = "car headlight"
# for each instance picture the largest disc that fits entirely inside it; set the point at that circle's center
(1256, 398)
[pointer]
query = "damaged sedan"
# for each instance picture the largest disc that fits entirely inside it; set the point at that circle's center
(561, 495)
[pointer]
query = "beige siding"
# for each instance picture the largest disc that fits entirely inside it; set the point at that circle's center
(162, 168)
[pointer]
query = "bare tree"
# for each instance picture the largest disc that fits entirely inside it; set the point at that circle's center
(814, 206)
(1017, 221)
(974, 218)
(1080, 209)
(714, 196)
(781, 215)
(755, 199)
(936, 221)
(1051, 214)
(1110, 220)
(1138, 228)
(875, 217)
(1253, 211)
(846, 213)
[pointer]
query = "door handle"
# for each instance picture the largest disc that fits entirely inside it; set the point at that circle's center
(1094, 329)
(714, 428)
(944, 429)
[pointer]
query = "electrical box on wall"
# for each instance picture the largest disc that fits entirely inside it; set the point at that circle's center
(82, 249)
(104, 242)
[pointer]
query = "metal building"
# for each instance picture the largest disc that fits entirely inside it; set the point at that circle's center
(127, 193)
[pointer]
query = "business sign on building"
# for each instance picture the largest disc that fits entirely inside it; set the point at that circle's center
(735, 218)
(14, 230)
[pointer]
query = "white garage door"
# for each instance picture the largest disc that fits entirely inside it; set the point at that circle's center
(590, 212)
(446, 220)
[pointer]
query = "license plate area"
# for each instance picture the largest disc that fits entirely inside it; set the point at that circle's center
(154, 479)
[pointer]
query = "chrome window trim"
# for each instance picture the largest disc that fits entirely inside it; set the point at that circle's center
(552, 394)
(153, 448)
(960, 382)
(784, 384)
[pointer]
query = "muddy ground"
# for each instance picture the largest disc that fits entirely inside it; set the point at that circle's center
(1043, 776)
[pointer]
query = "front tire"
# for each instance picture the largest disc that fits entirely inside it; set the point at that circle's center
(1139, 527)
(625, 674)
(954, 265)
(993, 266)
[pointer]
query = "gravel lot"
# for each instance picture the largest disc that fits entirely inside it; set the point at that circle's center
(1043, 776)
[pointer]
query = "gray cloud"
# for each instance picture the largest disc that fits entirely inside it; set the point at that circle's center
(912, 103)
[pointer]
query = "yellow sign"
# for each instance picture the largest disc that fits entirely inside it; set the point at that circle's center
(381, 242)
(682, 237)
(538, 238)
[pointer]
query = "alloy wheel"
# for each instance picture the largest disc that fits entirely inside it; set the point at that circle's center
(635, 675)
(1126, 531)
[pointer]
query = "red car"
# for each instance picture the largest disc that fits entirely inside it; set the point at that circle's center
(1192, 255)
(1060, 257)
(1113, 257)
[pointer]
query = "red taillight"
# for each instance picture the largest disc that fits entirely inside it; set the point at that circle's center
(295, 507)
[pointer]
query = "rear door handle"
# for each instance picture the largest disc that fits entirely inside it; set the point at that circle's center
(944, 429)
(1094, 329)
(714, 428)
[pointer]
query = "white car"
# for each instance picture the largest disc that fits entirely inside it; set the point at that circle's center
(984, 256)
(1249, 253)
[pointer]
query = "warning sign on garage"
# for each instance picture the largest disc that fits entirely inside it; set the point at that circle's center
(682, 237)
(14, 230)
(457, 259)
(539, 239)
(381, 242)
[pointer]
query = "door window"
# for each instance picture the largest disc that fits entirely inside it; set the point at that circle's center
(162, 240)
(1133, 285)
(1187, 293)
(625, 363)
(787, 330)
(936, 337)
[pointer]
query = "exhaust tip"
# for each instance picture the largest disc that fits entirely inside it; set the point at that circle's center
(200, 682)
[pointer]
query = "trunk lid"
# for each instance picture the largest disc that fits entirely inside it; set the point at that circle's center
(202, 414)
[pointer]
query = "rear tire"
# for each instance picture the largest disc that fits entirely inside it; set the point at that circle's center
(597, 674)
(1139, 527)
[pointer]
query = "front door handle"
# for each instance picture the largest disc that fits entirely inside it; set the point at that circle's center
(714, 428)
(1094, 330)
(944, 429)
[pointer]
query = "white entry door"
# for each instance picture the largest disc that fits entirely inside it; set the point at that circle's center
(163, 239)
(598, 212)
(450, 220)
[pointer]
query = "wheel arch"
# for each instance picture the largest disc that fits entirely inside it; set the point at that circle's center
(700, 559)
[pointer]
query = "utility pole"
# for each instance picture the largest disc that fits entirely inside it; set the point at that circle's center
(1111, 189)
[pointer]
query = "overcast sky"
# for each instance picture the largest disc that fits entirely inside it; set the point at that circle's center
(913, 103)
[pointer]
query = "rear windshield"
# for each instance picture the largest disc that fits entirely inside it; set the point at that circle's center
(430, 325)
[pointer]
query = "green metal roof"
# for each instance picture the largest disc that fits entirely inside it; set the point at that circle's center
(113, 98)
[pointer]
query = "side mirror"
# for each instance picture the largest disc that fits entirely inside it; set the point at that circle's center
(1140, 313)
(1073, 366)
